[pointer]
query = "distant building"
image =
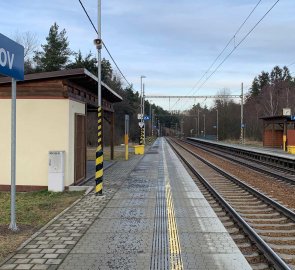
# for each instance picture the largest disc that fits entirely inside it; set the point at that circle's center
(279, 132)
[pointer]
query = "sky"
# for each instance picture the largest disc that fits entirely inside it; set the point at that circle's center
(172, 43)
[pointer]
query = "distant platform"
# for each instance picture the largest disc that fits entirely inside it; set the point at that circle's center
(274, 152)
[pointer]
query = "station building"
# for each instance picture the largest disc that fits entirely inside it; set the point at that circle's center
(52, 113)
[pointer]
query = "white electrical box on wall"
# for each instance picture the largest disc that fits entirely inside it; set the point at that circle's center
(56, 171)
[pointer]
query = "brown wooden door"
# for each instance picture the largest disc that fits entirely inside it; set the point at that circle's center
(80, 147)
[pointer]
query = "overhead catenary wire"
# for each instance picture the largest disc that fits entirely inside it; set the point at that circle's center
(236, 46)
(226, 46)
(109, 53)
(231, 52)
(223, 50)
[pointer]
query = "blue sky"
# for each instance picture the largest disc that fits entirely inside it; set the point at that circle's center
(171, 42)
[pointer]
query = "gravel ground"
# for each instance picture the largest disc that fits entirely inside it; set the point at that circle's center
(278, 190)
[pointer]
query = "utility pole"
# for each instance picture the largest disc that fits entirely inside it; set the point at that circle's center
(153, 112)
(141, 139)
(151, 127)
(204, 125)
(216, 124)
(99, 149)
(181, 129)
(144, 129)
(176, 129)
(196, 126)
(158, 128)
(198, 122)
(242, 114)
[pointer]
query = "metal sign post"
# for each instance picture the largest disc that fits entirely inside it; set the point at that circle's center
(13, 225)
(12, 65)
(126, 138)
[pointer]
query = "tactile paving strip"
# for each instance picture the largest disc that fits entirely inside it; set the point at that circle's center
(160, 249)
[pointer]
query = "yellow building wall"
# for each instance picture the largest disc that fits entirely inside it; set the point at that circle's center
(42, 126)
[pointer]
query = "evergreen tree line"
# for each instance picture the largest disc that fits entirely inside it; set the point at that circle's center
(269, 93)
(57, 55)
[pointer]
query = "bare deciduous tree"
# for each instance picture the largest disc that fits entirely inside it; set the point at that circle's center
(30, 42)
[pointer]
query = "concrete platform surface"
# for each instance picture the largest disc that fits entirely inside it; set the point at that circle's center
(158, 219)
(152, 216)
(276, 152)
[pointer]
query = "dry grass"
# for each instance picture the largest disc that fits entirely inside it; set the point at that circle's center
(119, 151)
(33, 210)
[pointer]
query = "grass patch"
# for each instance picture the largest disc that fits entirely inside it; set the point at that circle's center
(33, 210)
(119, 152)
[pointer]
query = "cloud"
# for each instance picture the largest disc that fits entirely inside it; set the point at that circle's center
(171, 42)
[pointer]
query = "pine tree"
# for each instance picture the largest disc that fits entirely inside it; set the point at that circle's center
(56, 52)
(89, 62)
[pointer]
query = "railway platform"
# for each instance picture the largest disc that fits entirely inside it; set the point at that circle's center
(274, 152)
(152, 216)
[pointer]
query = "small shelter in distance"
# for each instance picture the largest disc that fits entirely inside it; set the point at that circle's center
(52, 113)
(279, 131)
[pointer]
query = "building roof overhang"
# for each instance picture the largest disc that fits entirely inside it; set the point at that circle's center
(79, 76)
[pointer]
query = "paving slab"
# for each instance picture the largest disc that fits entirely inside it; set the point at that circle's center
(48, 248)
(158, 219)
(153, 216)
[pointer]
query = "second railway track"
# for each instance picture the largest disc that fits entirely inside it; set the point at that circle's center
(270, 225)
(281, 173)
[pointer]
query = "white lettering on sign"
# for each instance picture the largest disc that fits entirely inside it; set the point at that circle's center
(6, 58)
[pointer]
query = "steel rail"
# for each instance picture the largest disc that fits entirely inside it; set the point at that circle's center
(227, 149)
(261, 244)
(273, 174)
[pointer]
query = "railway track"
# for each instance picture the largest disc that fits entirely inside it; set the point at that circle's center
(267, 223)
(281, 173)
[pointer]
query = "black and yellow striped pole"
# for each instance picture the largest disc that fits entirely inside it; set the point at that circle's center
(99, 150)
(99, 155)
(141, 136)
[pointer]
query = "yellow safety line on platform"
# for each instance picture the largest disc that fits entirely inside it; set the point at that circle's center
(175, 250)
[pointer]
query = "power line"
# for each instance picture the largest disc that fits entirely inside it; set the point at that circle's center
(236, 46)
(291, 64)
(226, 46)
(104, 43)
(233, 37)
(231, 52)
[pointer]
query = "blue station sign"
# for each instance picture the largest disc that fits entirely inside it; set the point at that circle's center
(11, 58)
